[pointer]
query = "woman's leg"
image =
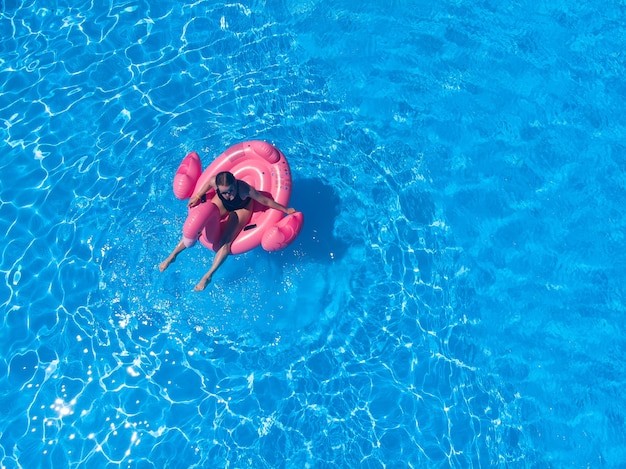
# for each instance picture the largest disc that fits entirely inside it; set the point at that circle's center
(181, 245)
(172, 257)
(235, 223)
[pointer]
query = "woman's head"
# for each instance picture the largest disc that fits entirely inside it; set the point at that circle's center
(225, 178)
(225, 182)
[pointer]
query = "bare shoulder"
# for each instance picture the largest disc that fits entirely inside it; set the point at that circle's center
(245, 189)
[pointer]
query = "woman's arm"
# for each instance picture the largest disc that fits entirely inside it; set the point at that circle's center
(197, 197)
(262, 199)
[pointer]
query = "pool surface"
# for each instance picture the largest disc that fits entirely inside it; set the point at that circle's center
(455, 298)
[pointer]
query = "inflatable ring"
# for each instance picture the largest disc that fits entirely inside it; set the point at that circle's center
(262, 166)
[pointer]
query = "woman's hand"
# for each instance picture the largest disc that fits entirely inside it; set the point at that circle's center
(194, 200)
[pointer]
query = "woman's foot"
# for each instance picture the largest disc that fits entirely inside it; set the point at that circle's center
(180, 247)
(202, 284)
(166, 263)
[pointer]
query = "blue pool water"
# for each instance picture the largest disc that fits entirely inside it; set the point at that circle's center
(456, 296)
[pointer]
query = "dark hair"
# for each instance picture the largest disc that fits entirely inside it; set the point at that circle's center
(224, 179)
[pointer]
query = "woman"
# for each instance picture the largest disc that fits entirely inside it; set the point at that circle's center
(234, 199)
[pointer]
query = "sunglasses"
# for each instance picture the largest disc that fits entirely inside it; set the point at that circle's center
(230, 191)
